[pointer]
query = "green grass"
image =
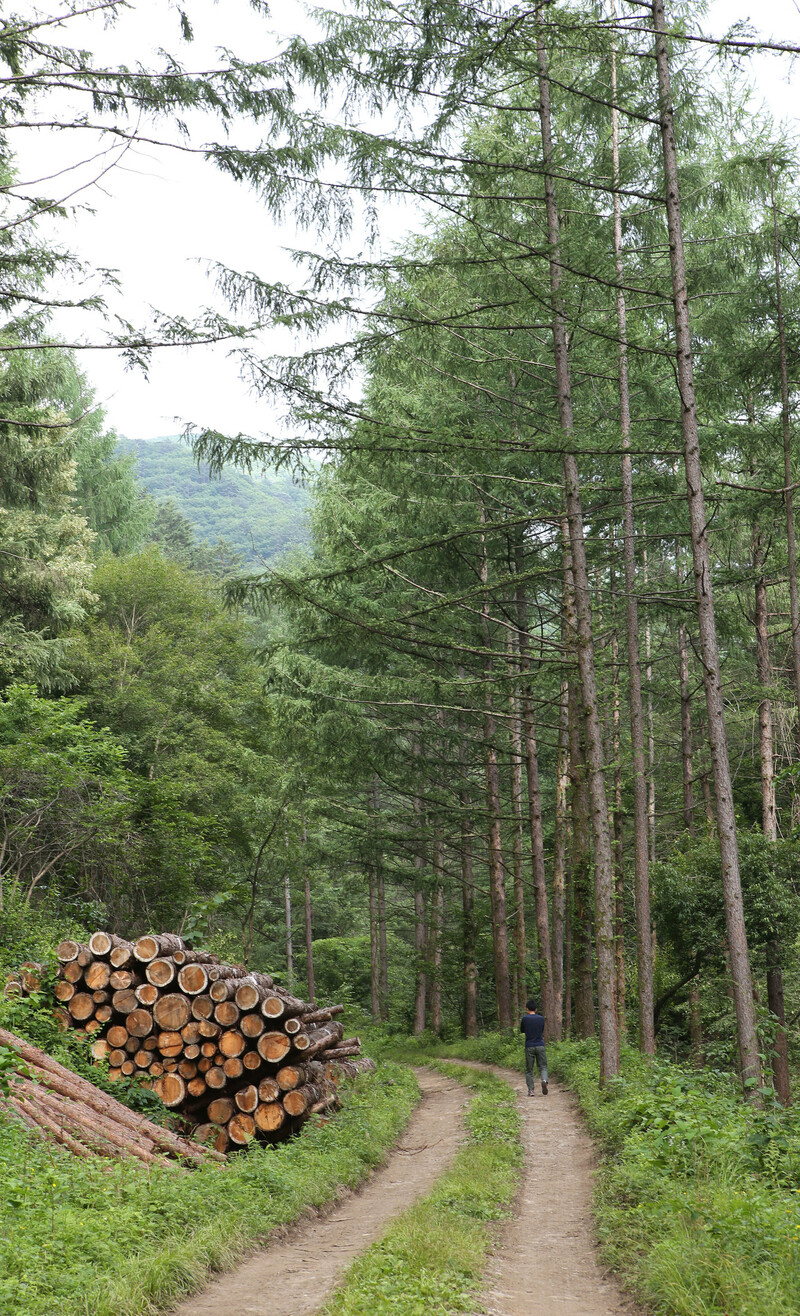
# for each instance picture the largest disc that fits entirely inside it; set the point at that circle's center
(100, 1238)
(432, 1258)
(698, 1198)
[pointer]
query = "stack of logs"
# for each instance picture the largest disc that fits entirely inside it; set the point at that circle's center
(236, 1055)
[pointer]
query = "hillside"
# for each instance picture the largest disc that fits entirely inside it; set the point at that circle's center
(258, 517)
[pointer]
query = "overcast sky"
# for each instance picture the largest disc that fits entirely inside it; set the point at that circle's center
(160, 215)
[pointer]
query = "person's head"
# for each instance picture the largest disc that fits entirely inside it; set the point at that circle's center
(531, 1006)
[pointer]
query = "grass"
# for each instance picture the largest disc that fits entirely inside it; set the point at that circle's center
(432, 1258)
(697, 1202)
(99, 1238)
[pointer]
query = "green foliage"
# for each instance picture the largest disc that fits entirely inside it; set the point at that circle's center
(432, 1258)
(256, 518)
(698, 1202)
(89, 1238)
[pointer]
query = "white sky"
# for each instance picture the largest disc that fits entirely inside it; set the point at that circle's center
(160, 214)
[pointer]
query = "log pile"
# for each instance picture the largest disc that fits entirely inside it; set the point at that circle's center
(227, 1049)
(62, 1106)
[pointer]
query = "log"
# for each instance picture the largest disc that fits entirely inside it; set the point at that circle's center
(273, 1047)
(160, 972)
(13, 988)
(101, 944)
(192, 1051)
(251, 1060)
(248, 993)
(128, 1068)
(220, 1110)
(81, 1006)
(204, 1064)
(62, 1018)
(194, 957)
(121, 955)
(268, 1090)
(208, 1048)
(318, 1039)
(191, 1032)
(293, 1026)
(71, 972)
(241, 1129)
(120, 979)
(336, 1070)
(209, 1029)
(231, 1043)
(247, 1098)
(142, 1059)
(30, 975)
(117, 1058)
(117, 1035)
(233, 1067)
(344, 1051)
(63, 1080)
(97, 976)
(171, 1052)
(224, 990)
(93, 1026)
(290, 1076)
(202, 1007)
(131, 1043)
(269, 1116)
(150, 1043)
(219, 972)
(193, 979)
(114, 1075)
(148, 948)
(226, 1014)
(140, 1023)
(100, 1049)
(171, 1089)
(196, 1086)
(146, 994)
(63, 991)
(124, 1001)
(212, 1136)
(215, 1077)
(104, 1014)
(322, 1016)
(187, 1069)
(300, 1100)
(169, 1038)
(67, 951)
(101, 998)
(171, 1011)
(84, 957)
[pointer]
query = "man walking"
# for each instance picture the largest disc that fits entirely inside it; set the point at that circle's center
(532, 1025)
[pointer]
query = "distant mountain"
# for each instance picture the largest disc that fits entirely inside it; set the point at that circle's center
(257, 517)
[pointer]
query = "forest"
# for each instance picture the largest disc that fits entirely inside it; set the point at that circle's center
(475, 676)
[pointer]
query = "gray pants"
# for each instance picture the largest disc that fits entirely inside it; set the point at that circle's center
(539, 1055)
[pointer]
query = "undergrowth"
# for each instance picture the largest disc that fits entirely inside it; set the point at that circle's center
(697, 1201)
(100, 1238)
(431, 1259)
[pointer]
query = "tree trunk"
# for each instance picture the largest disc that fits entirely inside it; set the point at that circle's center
(308, 922)
(560, 863)
(515, 739)
(287, 910)
(698, 521)
(419, 949)
(497, 890)
(469, 930)
(641, 865)
(603, 862)
(547, 1000)
(651, 740)
(374, 947)
(780, 1052)
(687, 750)
(696, 1027)
(581, 918)
(384, 963)
(437, 918)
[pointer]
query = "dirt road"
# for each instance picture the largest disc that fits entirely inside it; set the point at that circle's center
(547, 1260)
(295, 1276)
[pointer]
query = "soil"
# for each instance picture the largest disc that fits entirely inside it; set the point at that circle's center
(296, 1275)
(547, 1259)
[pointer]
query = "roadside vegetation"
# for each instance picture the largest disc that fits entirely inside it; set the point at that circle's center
(432, 1258)
(138, 1238)
(697, 1202)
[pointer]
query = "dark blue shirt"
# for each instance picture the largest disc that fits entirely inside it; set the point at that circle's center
(532, 1025)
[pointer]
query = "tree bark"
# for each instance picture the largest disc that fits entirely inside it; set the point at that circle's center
(581, 918)
(560, 837)
(437, 919)
(641, 866)
(374, 948)
(308, 921)
(515, 764)
(547, 1000)
(603, 861)
(384, 984)
(717, 733)
(497, 890)
(769, 818)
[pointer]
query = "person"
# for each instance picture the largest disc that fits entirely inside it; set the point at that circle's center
(532, 1025)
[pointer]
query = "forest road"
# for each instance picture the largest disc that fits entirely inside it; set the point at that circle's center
(295, 1275)
(546, 1260)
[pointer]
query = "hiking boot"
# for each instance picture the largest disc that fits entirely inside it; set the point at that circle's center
(531, 1092)
(544, 1089)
